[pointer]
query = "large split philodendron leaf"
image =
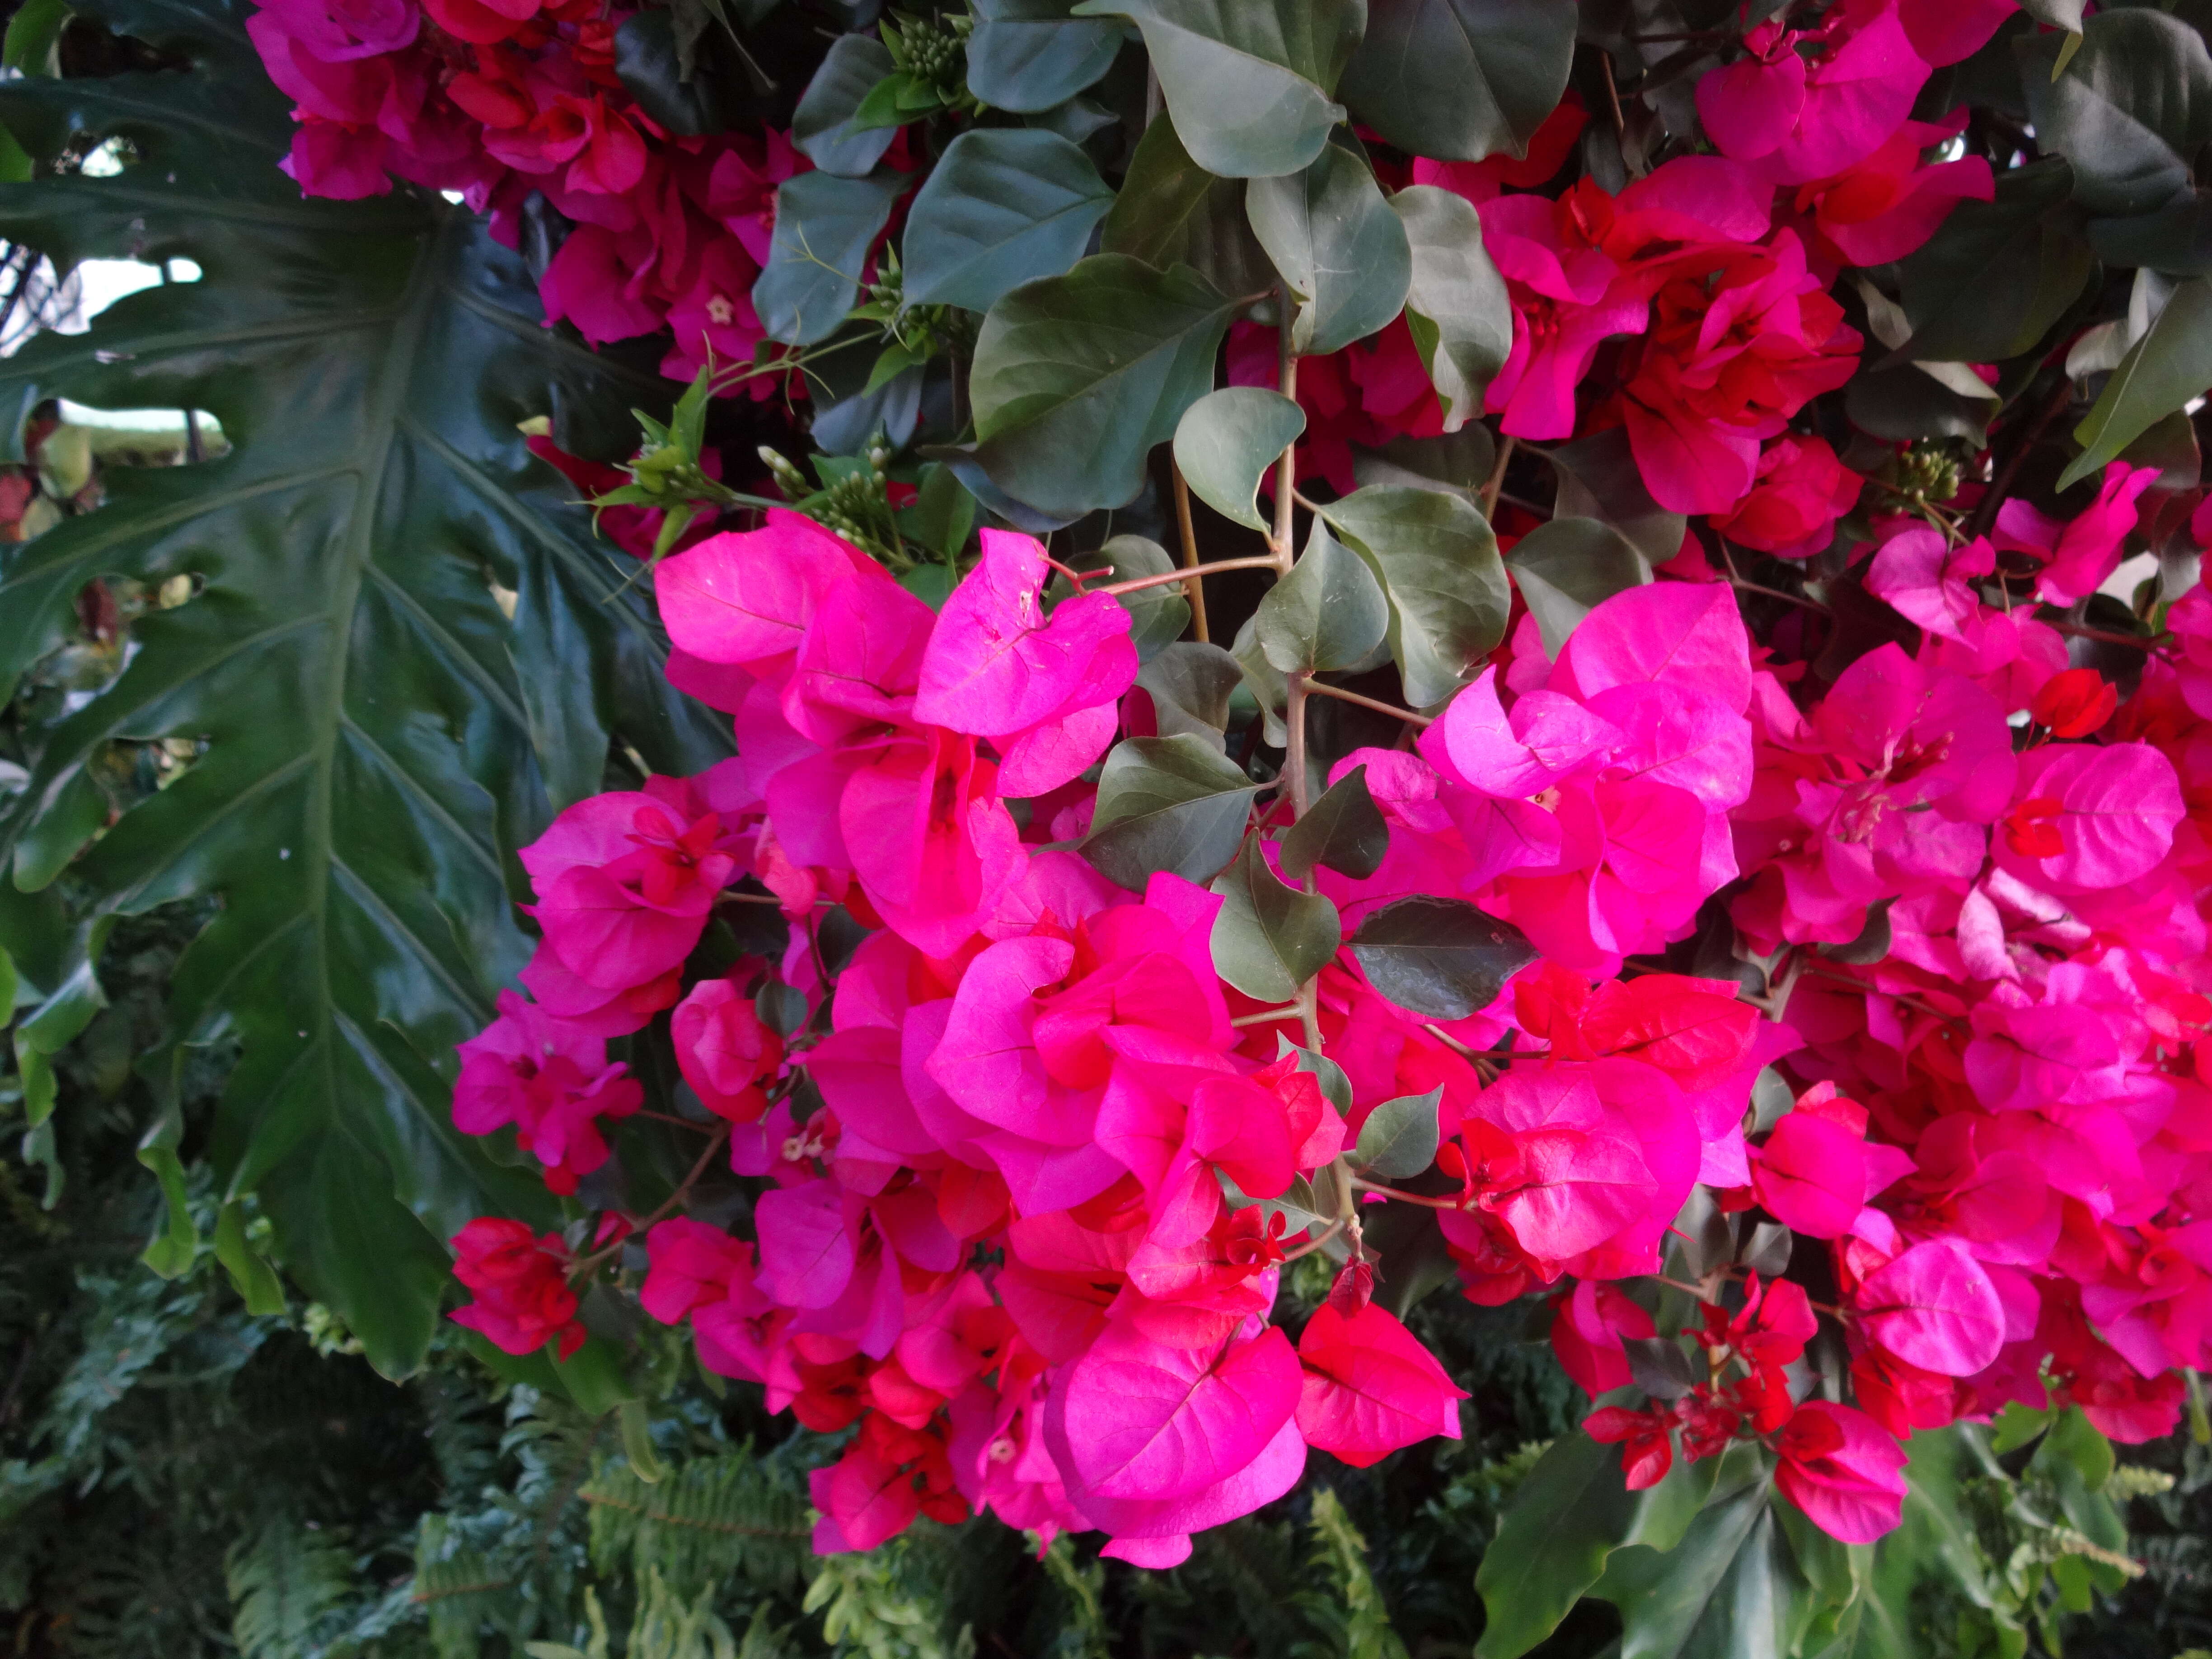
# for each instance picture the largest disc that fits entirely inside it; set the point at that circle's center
(380, 735)
(1568, 1516)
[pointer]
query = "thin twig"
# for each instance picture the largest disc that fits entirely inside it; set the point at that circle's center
(1194, 589)
(1286, 382)
(1318, 1243)
(1268, 1016)
(1379, 706)
(1496, 481)
(2083, 631)
(1136, 584)
(1986, 510)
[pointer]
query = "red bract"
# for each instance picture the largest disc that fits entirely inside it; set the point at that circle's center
(1842, 1471)
(523, 1299)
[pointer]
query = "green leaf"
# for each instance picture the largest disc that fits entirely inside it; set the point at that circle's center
(1226, 441)
(1344, 831)
(889, 104)
(1327, 614)
(1736, 1584)
(2164, 370)
(1399, 1139)
(1028, 56)
(650, 64)
(1157, 616)
(636, 1423)
(1268, 938)
(250, 1271)
(1456, 308)
(370, 764)
(1991, 283)
(1266, 685)
(1456, 463)
(33, 34)
(1172, 211)
(1004, 205)
(1598, 478)
(1190, 684)
(825, 226)
(176, 1238)
(1335, 1085)
(1438, 563)
(824, 128)
(1246, 81)
(1076, 377)
(945, 513)
(1169, 804)
(1567, 567)
(1566, 1518)
(1439, 957)
(1302, 1210)
(1336, 242)
(2131, 111)
(1461, 79)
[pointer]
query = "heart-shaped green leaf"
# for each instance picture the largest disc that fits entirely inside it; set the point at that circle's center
(1334, 239)
(1169, 804)
(1456, 306)
(1344, 831)
(1439, 561)
(824, 127)
(1461, 79)
(1566, 569)
(2131, 110)
(2163, 372)
(1399, 1139)
(1226, 441)
(1269, 939)
(824, 225)
(1440, 957)
(1003, 206)
(1327, 614)
(1171, 211)
(1190, 684)
(1028, 56)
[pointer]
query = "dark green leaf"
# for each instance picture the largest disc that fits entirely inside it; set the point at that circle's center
(1399, 1139)
(2176, 239)
(1076, 377)
(1598, 479)
(650, 65)
(1028, 56)
(1334, 239)
(1335, 1087)
(2165, 369)
(1190, 684)
(1989, 285)
(1246, 81)
(1438, 563)
(1568, 1516)
(1462, 79)
(1261, 678)
(1767, 1251)
(1567, 567)
(2131, 111)
(1327, 614)
(824, 225)
(945, 513)
(1169, 804)
(1458, 463)
(1735, 1584)
(1172, 211)
(1299, 1207)
(1003, 206)
(1439, 957)
(1157, 616)
(370, 763)
(1659, 1366)
(823, 128)
(1270, 938)
(1456, 308)
(1226, 441)
(32, 34)
(1904, 403)
(1344, 831)
(255, 1279)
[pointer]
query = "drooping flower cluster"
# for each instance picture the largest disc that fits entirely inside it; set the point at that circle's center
(500, 100)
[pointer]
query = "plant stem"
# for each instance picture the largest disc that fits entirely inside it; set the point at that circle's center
(1269, 1016)
(1135, 584)
(1286, 382)
(1496, 481)
(1294, 755)
(1320, 1242)
(1194, 589)
(1360, 1184)
(1377, 704)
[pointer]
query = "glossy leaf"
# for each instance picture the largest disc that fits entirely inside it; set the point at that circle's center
(825, 226)
(1226, 441)
(1334, 239)
(1438, 563)
(1003, 206)
(1246, 81)
(1190, 684)
(1567, 1517)
(370, 711)
(2132, 109)
(1270, 938)
(824, 127)
(2163, 372)
(1168, 804)
(1439, 957)
(1567, 567)
(1172, 211)
(1456, 306)
(1344, 831)
(1076, 377)
(1399, 1139)
(1461, 79)
(1993, 279)
(1028, 56)
(1327, 614)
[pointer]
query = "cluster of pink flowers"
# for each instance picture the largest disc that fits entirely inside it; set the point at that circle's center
(495, 100)
(1009, 1154)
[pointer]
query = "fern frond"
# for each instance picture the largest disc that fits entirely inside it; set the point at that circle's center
(284, 1581)
(703, 1521)
(1352, 1611)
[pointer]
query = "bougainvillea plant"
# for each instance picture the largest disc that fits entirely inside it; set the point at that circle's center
(1663, 777)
